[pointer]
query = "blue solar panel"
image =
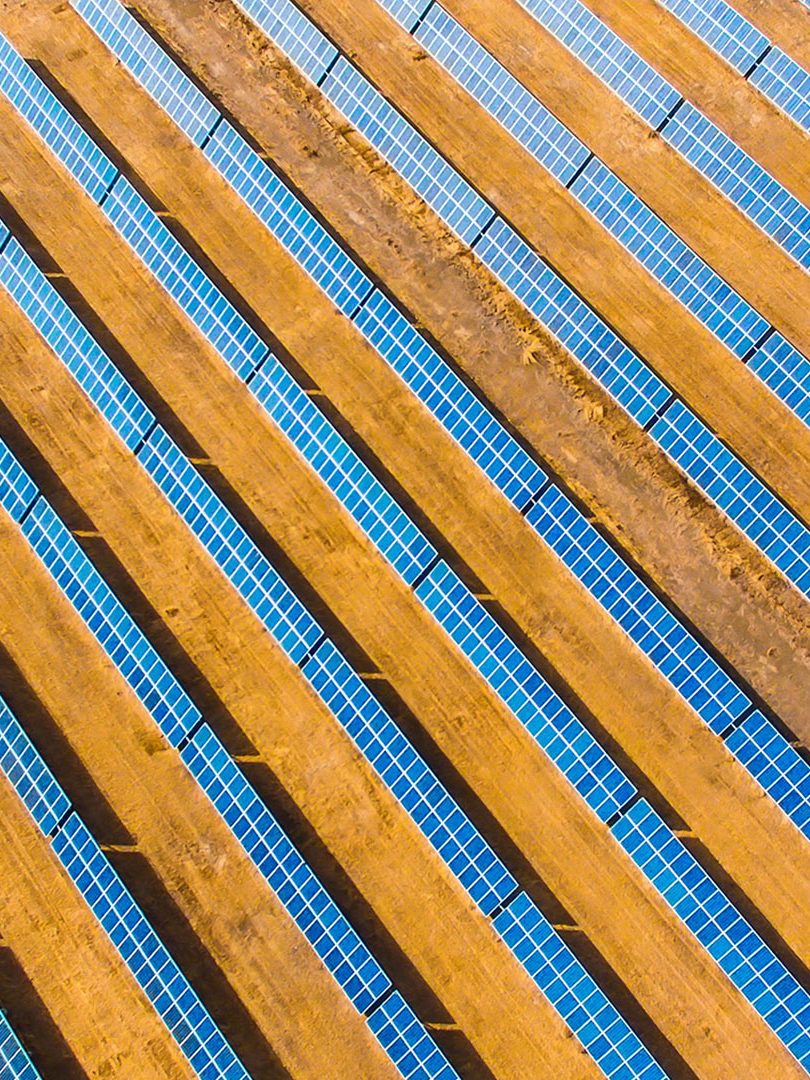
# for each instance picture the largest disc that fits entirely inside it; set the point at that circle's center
(15, 1063)
(720, 26)
(523, 689)
(144, 953)
(787, 84)
(406, 1041)
(18, 491)
(778, 213)
(783, 368)
(74, 148)
(85, 360)
(28, 774)
(718, 926)
(295, 34)
(604, 52)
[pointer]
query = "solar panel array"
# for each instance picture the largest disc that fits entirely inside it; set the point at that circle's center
(748, 51)
(672, 648)
(293, 882)
(439, 817)
(623, 373)
(173, 998)
(15, 1063)
(586, 764)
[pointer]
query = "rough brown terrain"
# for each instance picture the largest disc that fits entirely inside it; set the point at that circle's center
(671, 976)
(106, 1020)
(717, 577)
(719, 800)
(762, 272)
(293, 1000)
(704, 78)
(683, 351)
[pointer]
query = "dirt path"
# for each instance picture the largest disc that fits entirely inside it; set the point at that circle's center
(293, 1001)
(709, 570)
(730, 242)
(705, 79)
(651, 951)
(104, 1016)
(748, 835)
(786, 22)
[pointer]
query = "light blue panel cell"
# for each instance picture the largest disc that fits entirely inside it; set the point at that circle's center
(535, 128)
(173, 90)
(372, 507)
(604, 52)
(438, 816)
(293, 32)
(214, 316)
(453, 404)
(309, 905)
(720, 26)
(256, 581)
(406, 12)
(17, 490)
(407, 1043)
(667, 257)
(15, 1063)
(28, 774)
(776, 995)
(523, 689)
(288, 219)
(783, 368)
(786, 83)
(113, 627)
(778, 213)
(556, 305)
(164, 984)
(79, 352)
(620, 591)
(53, 123)
(735, 489)
(779, 768)
(602, 1031)
(402, 146)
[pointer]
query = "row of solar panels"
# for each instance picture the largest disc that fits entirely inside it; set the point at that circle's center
(15, 1064)
(288, 875)
(144, 953)
(702, 682)
(455, 839)
(750, 52)
(763, 199)
(703, 457)
(510, 674)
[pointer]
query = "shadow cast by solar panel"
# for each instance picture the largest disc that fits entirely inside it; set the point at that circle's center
(362, 916)
(34, 1025)
(197, 964)
(51, 739)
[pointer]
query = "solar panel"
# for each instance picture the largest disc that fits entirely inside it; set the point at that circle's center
(15, 1063)
(787, 84)
(438, 816)
(585, 763)
(720, 26)
(164, 984)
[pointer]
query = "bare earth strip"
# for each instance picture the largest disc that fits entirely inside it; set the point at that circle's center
(747, 833)
(292, 998)
(102, 1013)
(770, 279)
(785, 22)
(409, 888)
(705, 79)
(650, 949)
(717, 577)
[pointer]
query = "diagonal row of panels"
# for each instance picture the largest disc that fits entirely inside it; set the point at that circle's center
(218, 319)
